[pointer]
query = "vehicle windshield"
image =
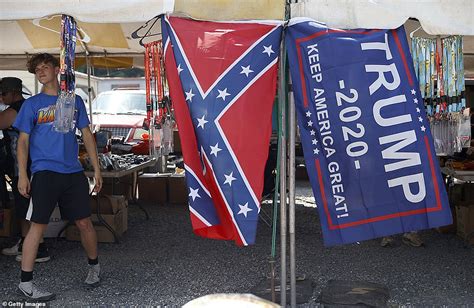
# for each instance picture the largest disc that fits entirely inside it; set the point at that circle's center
(120, 103)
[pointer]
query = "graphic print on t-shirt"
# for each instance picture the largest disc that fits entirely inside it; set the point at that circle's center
(46, 114)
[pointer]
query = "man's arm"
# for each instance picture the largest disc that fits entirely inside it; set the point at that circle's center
(91, 149)
(7, 117)
(22, 157)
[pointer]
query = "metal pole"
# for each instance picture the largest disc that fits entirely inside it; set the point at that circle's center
(89, 90)
(283, 219)
(291, 188)
(36, 85)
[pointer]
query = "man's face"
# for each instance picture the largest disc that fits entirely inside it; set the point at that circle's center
(7, 97)
(46, 72)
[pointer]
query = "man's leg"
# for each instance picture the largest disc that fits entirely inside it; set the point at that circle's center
(42, 254)
(44, 196)
(75, 205)
(88, 237)
(30, 246)
(89, 242)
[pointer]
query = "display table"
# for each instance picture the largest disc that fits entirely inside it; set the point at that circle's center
(135, 170)
(463, 175)
(464, 214)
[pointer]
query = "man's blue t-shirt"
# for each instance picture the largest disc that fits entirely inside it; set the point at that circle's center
(49, 149)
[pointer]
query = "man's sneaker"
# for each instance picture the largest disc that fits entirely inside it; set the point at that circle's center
(412, 239)
(31, 291)
(387, 241)
(14, 250)
(41, 256)
(93, 276)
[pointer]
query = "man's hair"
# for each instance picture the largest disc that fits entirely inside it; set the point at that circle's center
(40, 58)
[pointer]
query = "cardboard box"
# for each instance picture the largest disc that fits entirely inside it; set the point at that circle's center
(112, 204)
(468, 193)
(55, 225)
(122, 187)
(114, 211)
(177, 189)
(465, 222)
(456, 194)
(109, 204)
(10, 226)
(153, 187)
(449, 229)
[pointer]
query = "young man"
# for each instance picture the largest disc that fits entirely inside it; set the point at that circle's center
(57, 175)
(11, 89)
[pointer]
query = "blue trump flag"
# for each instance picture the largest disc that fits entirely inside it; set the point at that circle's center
(366, 140)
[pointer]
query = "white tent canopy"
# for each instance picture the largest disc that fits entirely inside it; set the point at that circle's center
(438, 17)
(31, 26)
(90, 11)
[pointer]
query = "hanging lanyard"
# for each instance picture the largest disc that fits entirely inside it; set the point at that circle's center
(67, 54)
(155, 83)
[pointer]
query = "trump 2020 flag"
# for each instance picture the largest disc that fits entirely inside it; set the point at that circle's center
(222, 79)
(366, 140)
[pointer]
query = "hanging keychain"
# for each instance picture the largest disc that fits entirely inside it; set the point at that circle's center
(66, 102)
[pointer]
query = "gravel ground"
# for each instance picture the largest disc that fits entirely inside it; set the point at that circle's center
(161, 262)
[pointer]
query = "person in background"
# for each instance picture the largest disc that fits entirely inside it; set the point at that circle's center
(57, 175)
(11, 89)
(5, 158)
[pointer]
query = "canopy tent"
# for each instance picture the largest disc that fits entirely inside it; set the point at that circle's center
(27, 26)
(443, 17)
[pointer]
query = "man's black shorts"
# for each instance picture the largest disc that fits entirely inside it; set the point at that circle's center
(69, 191)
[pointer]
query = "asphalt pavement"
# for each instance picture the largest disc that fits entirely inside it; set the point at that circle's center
(160, 262)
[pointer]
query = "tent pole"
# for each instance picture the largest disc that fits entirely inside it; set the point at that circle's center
(291, 188)
(36, 85)
(283, 216)
(88, 66)
(89, 90)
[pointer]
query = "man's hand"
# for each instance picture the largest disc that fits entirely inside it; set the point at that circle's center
(98, 181)
(24, 186)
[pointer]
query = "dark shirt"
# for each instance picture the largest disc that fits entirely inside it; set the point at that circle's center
(11, 138)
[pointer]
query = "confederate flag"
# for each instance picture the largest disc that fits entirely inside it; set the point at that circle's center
(222, 78)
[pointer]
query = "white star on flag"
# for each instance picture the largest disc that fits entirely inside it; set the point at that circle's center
(229, 178)
(215, 149)
(189, 95)
(310, 123)
(268, 50)
(244, 209)
(423, 128)
(222, 94)
(312, 132)
(415, 100)
(418, 110)
(308, 113)
(413, 91)
(201, 122)
(246, 70)
(314, 141)
(179, 69)
(194, 193)
(420, 119)
(315, 151)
